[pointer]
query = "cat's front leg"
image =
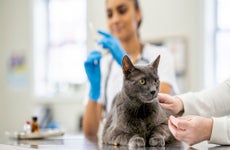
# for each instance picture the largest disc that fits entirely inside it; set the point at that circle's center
(121, 138)
(157, 140)
(136, 141)
(117, 137)
(160, 136)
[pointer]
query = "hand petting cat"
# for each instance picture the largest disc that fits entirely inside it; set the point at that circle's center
(171, 103)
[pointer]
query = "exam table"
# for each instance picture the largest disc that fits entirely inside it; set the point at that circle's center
(79, 142)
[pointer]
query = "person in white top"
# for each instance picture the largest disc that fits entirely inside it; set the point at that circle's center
(206, 115)
(105, 73)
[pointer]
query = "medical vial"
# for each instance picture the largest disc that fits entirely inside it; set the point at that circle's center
(27, 127)
(34, 126)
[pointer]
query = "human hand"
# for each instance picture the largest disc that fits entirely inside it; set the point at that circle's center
(191, 129)
(92, 69)
(171, 103)
(113, 45)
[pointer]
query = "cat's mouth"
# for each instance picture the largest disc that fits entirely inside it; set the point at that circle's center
(149, 101)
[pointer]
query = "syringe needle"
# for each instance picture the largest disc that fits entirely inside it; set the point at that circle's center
(95, 40)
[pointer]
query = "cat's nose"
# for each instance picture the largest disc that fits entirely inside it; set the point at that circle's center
(153, 92)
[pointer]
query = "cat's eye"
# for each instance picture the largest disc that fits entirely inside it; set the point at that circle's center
(142, 81)
(156, 81)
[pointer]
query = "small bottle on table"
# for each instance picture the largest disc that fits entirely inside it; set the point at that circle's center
(27, 127)
(34, 126)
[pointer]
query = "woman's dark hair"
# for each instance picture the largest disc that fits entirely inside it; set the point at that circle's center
(137, 7)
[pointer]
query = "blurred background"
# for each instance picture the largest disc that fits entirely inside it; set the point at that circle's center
(43, 44)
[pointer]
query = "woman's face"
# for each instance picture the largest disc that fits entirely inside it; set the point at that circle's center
(122, 18)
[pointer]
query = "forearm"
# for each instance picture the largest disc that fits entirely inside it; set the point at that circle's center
(91, 119)
(208, 102)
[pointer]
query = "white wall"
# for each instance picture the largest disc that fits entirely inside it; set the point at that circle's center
(1, 65)
(96, 16)
(161, 18)
(16, 36)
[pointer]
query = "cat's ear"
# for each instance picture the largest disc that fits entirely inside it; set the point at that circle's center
(156, 63)
(127, 66)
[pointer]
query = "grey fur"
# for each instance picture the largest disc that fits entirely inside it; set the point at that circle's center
(136, 118)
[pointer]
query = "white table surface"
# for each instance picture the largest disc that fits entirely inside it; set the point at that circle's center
(79, 142)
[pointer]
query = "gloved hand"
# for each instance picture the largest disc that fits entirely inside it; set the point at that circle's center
(113, 45)
(92, 69)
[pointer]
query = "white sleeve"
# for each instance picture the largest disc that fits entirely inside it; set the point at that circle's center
(221, 131)
(212, 102)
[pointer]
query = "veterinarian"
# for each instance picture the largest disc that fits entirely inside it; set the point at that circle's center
(105, 74)
(206, 115)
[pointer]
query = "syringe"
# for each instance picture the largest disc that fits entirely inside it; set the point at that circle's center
(95, 40)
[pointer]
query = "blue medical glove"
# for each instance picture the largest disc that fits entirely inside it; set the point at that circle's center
(113, 45)
(92, 69)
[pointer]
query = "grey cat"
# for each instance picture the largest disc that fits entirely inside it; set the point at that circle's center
(136, 118)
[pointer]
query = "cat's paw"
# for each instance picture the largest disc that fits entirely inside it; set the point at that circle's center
(136, 141)
(156, 148)
(157, 141)
(121, 139)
